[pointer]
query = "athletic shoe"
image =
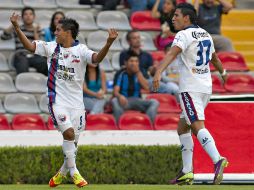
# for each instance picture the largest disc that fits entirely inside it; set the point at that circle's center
(56, 180)
(78, 180)
(218, 170)
(183, 179)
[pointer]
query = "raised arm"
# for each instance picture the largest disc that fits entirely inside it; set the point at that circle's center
(98, 57)
(169, 58)
(227, 6)
(23, 39)
(155, 13)
(218, 65)
(196, 5)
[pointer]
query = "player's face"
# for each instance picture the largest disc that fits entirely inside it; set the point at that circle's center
(57, 18)
(167, 6)
(28, 17)
(60, 34)
(209, 3)
(178, 20)
(135, 40)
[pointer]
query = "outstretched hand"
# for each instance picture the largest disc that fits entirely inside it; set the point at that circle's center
(14, 19)
(112, 35)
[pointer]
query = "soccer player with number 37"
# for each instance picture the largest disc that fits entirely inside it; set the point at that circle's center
(194, 49)
(67, 60)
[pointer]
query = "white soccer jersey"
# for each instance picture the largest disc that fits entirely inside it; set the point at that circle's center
(197, 48)
(67, 67)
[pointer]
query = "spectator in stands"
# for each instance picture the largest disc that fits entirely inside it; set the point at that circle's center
(209, 18)
(24, 59)
(142, 5)
(94, 89)
(49, 32)
(127, 90)
(167, 29)
(145, 62)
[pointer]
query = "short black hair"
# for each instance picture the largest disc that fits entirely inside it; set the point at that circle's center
(130, 54)
(188, 9)
(128, 36)
(26, 9)
(70, 24)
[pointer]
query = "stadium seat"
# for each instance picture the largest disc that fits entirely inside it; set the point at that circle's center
(50, 124)
(116, 61)
(71, 4)
(113, 19)
(3, 63)
(4, 124)
(166, 121)
(21, 103)
(96, 40)
(2, 110)
(28, 122)
(146, 42)
(31, 82)
(212, 68)
(217, 85)
(135, 121)
(85, 19)
(142, 20)
(233, 61)
(240, 83)
(168, 103)
(6, 83)
(11, 4)
(106, 65)
(43, 18)
(158, 56)
(5, 18)
(43, 104)
(41, 4)
(101, 122)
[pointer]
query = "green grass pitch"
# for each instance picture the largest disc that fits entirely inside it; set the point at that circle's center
(130, 187)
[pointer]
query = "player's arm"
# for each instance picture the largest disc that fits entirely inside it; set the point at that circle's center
(227, 6)
(98, 57)
(218, 65)
(169, 58)
(23, 39)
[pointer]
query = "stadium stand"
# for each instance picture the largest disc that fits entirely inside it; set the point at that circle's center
(6, 83)
(2, 110)
(101, 122)
(5, 15)
(217, 84)
(71, 4)
(43, 103)
(41, 4)
(28, 122)
(11, 4)
(135, 121)
(3, 63)
(166, 121)
(158, 56)
(115, 61)
(38, 85)
(168, 103)
(50, 124)
(21, 103)
(4, 124)
(240, 83)
(106, 65)
(43, 18)
(113, 19)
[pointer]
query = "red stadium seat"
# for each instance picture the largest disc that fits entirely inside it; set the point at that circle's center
(217, 85)
(135, 121)
(233, 61)
(168, 103)
(157, 56)
(142, 20)
(240, 83)
(166, 121)
(28, 122)
(50, 124)
(212, 68)
(4, 124)
(100, 122)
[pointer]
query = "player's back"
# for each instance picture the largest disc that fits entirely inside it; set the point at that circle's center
(197, 48)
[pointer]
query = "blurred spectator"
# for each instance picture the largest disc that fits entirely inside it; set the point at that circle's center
(107, 5)
(167, 29)
(49, 32)
(145, 63)
(94, 89)
(209, 18)
(127, 85)
(141, 5)
(24, 59)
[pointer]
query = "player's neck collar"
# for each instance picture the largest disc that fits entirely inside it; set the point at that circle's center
(75, 43)
(191, 26)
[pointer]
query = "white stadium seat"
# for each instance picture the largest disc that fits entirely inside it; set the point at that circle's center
(116, 60)
(2, 110)
(41, 4)
(6, 84)
(43, 104)
(43, 18)
(71, 4)
(106, 65)
(13, 4)
(5, 18)
(3, 63)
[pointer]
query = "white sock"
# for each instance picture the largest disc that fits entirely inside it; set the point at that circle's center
(64, 170)
(187, 152)
(207, 141)
(69, 150)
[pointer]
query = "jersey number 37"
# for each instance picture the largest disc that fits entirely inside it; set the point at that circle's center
(203, 52)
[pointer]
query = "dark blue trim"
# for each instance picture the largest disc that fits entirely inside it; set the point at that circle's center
(191, 26)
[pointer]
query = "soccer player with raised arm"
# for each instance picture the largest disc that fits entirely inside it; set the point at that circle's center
(67, 60)
(194, 48)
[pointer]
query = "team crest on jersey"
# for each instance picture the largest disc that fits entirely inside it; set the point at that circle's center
(62, 117)
(66, 56)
